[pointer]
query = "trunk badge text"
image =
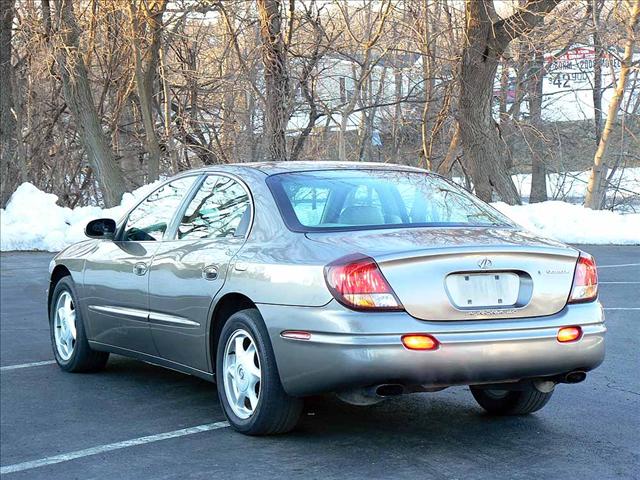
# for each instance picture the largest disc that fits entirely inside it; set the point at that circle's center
(500, 311)
(485, 263)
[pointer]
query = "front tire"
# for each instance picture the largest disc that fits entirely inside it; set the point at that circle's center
(510, 402)
(248, 381)
(68, 339)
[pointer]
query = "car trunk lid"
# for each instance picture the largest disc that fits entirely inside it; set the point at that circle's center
(466, 273)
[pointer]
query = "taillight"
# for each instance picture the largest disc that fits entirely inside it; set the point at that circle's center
(585, 280)
(357, 282)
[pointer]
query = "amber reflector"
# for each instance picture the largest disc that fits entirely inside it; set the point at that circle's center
(569, 334)
(419, 342)
(296, 335)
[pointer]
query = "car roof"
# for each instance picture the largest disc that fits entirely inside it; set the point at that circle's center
(272, 168)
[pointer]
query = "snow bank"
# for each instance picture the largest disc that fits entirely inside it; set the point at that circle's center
(573, 185)
(34, 221)
(575, 224)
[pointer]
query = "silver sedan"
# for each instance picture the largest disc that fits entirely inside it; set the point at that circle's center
(284, 280)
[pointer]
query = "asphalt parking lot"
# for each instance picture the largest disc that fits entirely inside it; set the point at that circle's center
(136, 420)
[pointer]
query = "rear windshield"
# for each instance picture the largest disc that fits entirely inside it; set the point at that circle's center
(331, 200)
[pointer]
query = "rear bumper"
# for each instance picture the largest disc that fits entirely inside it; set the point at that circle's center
(353, 349)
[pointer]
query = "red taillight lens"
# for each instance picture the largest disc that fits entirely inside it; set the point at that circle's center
(357, 282)
(585, 280)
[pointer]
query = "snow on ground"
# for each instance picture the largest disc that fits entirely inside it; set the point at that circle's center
(575, 224)
(34, 221)
(573, 185)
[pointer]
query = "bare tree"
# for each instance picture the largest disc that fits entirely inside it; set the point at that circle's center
(276, 77)
(364, 61)
(8, 145)
(310, 56)
(596, 8)
(77, 92)
(116, 90)
(487, 36)
(538, 170)
(596, 188)
(145, 17)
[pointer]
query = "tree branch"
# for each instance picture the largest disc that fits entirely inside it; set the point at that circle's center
(521, 22)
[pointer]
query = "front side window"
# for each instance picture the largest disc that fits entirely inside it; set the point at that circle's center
(220, 209)
(368, 199)
(149, 220)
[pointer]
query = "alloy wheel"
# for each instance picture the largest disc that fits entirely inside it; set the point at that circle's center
(242, 373)
(65, 326)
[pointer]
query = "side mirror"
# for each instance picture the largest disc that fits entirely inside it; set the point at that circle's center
(104, 228)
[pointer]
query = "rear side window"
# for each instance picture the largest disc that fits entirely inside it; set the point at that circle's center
(149, 220)
(219, 209)
(367, 199)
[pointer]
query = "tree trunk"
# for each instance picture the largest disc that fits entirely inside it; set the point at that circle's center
(77, 93)
(8, 137)
(597, 71)
(166, 109)
(596, 187)
(536, 144)
(146, 30)
(428, 61)
(486, 38)
(275, 77)
(481, 143)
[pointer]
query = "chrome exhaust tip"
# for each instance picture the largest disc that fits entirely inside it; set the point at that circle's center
(371, 395)
(576, 376)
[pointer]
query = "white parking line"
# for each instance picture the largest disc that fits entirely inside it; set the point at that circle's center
(27, 365)
(621, 265)
(65, 457)
(618, 283)
(622, 308)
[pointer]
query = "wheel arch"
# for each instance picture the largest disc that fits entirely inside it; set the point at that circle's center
(59, 272)
(226, 306)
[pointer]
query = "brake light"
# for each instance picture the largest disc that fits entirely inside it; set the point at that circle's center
(585, 280)
(357, 282)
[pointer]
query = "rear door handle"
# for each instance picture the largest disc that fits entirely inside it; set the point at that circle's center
(140, 268)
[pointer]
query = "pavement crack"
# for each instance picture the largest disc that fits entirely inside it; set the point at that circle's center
(615, 387)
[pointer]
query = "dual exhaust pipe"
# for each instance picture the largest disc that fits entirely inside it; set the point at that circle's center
(386, 390)
(377, 393)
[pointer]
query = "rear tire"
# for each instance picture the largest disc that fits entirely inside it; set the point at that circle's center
(68, 338)
(248, 381)
(510, 402)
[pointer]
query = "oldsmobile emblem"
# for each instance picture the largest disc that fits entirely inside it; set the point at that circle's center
(485, 263)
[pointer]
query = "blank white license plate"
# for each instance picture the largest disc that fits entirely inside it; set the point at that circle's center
(498, 289)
